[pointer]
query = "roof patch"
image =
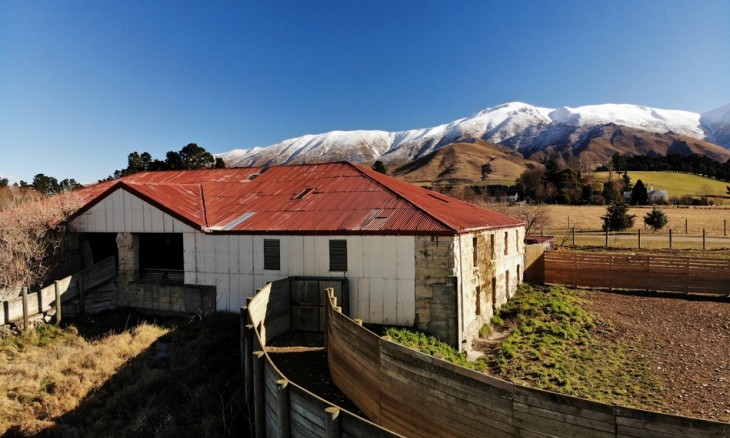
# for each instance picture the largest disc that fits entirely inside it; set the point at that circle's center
(236, 222)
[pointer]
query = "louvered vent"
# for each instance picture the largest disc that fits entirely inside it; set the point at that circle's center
(272, 255)
(338, 255)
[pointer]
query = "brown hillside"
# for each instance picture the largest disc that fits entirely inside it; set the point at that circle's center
(463, 163)
(598, 146)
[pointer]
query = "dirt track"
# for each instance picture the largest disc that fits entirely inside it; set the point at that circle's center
(687, 342)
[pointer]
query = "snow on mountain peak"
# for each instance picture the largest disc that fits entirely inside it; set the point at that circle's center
(514, 124)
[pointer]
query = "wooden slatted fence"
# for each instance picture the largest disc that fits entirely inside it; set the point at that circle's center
(421, 396)
(69, 287)
(638, 272)
(281, 407)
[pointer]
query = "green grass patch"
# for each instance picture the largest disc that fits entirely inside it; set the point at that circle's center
(676, 184)
(430, 345)
(559, 346)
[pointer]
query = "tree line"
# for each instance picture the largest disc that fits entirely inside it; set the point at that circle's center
(693, 163)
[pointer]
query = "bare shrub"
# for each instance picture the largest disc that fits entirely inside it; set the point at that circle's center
(535, 216)
(32, 237)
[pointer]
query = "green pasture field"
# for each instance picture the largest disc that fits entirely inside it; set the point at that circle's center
(677, 184)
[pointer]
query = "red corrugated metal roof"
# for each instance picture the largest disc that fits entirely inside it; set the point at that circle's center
(310, 198)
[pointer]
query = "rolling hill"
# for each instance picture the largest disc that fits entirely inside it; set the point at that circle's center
(466, 163)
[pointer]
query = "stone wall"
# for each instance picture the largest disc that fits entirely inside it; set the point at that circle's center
(490, 277)
(455, 311)
(164, 298)
(436, 286)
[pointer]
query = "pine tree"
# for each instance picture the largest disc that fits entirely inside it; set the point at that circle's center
(656, 219)
(617, 217)
(639, 194)
(379, 167)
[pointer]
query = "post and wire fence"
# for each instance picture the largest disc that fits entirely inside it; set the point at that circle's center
(638, 238)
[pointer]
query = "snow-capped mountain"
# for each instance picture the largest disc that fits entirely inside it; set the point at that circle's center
(520, 126)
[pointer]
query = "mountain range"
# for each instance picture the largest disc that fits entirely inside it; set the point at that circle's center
(592, 133)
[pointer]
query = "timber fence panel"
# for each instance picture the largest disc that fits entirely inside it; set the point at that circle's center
(640, 272)
(304, 413)
(420, 395)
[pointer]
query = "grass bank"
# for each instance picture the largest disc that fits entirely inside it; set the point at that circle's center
(557, 345)
(105, 378)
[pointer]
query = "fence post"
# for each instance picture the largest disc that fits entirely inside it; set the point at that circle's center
(80, 285)
(332, 422)
(704, 246)
(573, 236)
(606, 237)
(57, 289)
(24, 293)
(282, 408)
(670, 238)
(259, 390)
(724, 227)
(639, 231)
(685, 226)
(248, 344)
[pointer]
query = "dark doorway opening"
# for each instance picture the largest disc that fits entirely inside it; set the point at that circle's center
(161, 257)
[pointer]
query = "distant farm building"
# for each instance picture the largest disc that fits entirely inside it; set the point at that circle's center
(402, 255)
(658, 196)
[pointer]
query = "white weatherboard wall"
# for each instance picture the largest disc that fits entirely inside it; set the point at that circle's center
(381, 269)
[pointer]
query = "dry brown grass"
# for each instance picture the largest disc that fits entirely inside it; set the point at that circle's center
(563, 217)
(110, 382)
(48, 373)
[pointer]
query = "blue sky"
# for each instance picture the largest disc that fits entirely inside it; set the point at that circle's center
(83, 84)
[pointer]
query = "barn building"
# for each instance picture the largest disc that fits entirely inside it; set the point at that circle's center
(403, 255)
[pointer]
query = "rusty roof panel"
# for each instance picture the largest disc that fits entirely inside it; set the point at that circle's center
(314, 198)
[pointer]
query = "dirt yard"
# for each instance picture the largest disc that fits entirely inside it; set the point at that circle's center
(686, 341)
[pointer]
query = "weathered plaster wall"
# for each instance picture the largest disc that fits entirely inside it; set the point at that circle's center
(490, 278)
(456, 291)
(436, 287)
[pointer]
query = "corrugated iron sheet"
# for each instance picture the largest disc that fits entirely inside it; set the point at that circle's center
(313, 198)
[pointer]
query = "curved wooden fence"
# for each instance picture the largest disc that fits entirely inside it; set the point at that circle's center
(281, 407)
(638, 271)
(418, 395)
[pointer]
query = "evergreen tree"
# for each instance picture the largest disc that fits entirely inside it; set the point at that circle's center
(656, 219)
(639, 194)
(4, 182)
(45, 185)
(378, 166)
(617, 217)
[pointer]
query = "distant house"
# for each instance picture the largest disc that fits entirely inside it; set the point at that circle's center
(407, 256)
(658, 196)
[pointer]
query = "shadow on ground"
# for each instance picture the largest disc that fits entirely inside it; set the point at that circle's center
(195, 389)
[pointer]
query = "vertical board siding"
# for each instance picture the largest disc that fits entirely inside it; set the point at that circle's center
(123, 212)
(650, 272)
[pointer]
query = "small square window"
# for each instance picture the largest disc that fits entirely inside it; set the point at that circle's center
(338, 255)
(272, 255)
